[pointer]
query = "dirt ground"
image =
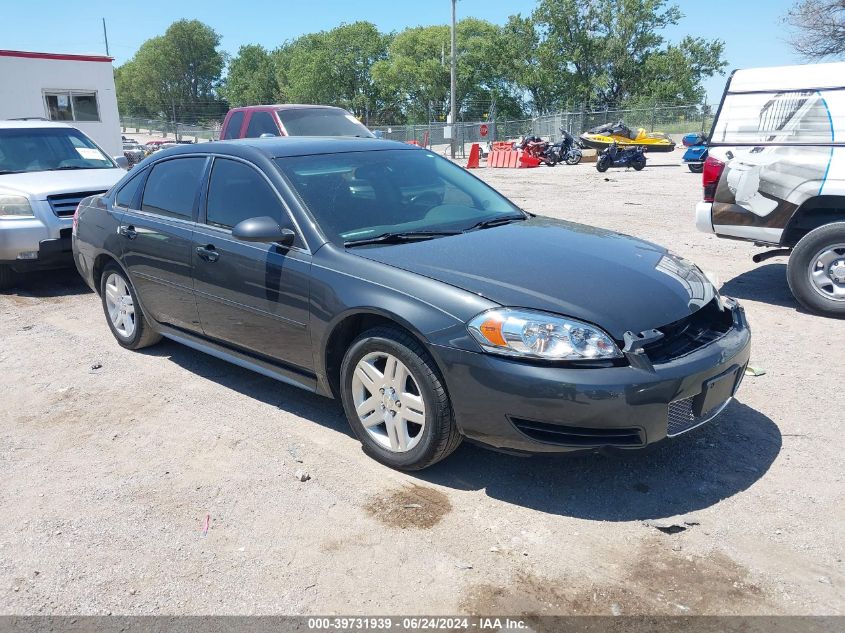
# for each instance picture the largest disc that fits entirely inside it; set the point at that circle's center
(163, 482)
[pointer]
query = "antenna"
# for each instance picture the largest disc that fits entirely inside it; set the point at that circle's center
(106, 37)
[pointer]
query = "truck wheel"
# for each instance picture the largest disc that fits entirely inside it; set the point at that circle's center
(123, 312)
(7, 277)
(696, 168)
(816, 270)
(395, 400)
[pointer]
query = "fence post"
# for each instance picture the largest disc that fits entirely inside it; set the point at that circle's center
(704, 114)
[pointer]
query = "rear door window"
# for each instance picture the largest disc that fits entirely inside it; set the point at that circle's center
(126, 195)
(172, 187)
(261, 123)
(233, 127)
(237, 192)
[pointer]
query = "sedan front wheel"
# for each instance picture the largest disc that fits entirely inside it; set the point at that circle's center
(395, 400)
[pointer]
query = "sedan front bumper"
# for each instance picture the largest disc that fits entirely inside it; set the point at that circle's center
(515, 405)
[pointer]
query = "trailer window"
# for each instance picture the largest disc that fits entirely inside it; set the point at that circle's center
(71, 105)
(777, 118)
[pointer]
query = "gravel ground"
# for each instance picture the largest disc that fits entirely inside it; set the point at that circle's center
(114, 463)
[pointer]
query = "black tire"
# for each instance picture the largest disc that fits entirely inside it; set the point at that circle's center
(638, 165)
(798, 275)
(696, 168)
(7, 277)
(143, 335)
(440, 434)
(573, 159)
(602, 164)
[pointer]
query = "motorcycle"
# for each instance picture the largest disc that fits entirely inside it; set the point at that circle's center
(696, 153)
(615, 157)
(566, 150)
(538, 148)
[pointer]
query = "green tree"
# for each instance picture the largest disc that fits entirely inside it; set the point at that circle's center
(417, 71)
(175, 74)
(251, 78)
(333, 67)
(606, 53)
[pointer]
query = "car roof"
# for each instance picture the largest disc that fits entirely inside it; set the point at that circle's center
(5, 125)
(279, 147)
(289, 106)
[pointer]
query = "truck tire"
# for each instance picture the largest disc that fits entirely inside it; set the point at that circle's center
(816, 270)
(7, 277)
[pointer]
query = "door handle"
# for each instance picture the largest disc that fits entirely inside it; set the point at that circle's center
(208, 253)
(128, 232)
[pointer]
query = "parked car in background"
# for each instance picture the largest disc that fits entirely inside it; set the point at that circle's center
(134, 153)
(428, 303)
(291, 120)
(775, 174)
(46, 168)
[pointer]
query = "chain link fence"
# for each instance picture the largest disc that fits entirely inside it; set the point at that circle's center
(675, 120)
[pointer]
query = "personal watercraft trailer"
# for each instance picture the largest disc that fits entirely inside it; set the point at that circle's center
(600, 138)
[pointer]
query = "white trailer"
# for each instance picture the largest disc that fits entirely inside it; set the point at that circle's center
(75, 89)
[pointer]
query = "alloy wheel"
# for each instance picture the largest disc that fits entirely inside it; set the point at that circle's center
(120, 306)
(388, 401)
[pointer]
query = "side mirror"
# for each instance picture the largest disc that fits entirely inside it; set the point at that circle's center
(262, 229)
(122, 162)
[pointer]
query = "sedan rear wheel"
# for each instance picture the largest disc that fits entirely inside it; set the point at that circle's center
(123, 313)
(395, 400)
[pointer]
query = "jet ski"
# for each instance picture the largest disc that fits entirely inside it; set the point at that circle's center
(601, 137)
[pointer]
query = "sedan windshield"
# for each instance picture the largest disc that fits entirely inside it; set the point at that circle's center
(49, 149)
(356, 197)
(321, 122)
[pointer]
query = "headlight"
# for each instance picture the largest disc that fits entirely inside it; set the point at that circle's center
(15, 206)
(539, 335)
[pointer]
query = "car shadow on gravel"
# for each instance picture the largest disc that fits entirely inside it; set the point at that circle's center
(315, 408)
(766, 284)
(44, 284)
(677, 476)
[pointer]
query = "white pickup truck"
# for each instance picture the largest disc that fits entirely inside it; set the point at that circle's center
(46, 168)
(775, 174)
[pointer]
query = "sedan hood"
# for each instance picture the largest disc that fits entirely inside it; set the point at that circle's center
(611, 280)
(40, 184)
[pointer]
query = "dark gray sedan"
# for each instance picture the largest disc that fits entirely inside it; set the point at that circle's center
(430, 305)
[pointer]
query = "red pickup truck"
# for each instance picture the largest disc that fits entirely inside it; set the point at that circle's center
(291, 120)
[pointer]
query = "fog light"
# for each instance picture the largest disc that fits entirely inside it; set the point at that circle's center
(28, 255)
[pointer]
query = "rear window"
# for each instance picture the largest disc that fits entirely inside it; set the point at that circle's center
(778, 118)
(321, 122)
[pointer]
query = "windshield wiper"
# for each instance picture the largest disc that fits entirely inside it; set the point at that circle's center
(3, 172)
(486, 224)
(67, 167)
(396, 238)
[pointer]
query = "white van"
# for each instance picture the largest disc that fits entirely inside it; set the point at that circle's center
(775, 174)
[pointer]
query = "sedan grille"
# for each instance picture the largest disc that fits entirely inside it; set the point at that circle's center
(683, 419)
(690, 333)
(64, 204)
(579, 436)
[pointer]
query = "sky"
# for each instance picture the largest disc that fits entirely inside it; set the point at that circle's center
(753, 30)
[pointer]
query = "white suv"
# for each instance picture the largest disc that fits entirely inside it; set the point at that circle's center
(45, 170)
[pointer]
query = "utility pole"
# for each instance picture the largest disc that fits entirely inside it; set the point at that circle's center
(454, 78)
(106, 37)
